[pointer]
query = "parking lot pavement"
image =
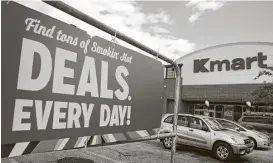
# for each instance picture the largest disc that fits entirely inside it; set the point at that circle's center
(141, 152)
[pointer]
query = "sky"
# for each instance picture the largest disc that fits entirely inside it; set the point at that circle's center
(173, 28)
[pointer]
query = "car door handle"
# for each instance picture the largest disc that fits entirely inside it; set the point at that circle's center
(191, 130)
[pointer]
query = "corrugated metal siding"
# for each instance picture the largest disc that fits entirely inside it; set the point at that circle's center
(214, 93)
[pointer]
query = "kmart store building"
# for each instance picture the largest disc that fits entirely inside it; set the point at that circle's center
(224, 75)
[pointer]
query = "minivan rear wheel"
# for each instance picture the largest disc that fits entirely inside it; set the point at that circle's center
(223, 152)
(167, 142)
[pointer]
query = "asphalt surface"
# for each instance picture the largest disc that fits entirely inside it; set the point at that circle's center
(140, 152)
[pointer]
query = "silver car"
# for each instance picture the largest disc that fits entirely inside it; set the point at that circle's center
(260, 139)
(205, 132)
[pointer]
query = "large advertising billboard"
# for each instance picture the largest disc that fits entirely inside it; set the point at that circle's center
(58, 82)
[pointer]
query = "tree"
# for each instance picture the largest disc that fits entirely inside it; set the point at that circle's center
(264, 93)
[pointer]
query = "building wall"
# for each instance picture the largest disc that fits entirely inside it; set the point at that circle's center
(223, 75)
(168, 99)
(217, 93)
(228, 93)
(224, 94)
(169, 86)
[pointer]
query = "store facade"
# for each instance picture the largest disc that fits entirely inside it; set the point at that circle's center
(224, 75)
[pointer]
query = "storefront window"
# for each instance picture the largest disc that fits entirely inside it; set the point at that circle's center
(261, 108)
(201, 109)
(244, 109)
(191, 109)
(237, 113)
(219, 111)
(268, 110)
(199, 106)
(252, 109)
(219, 108)
(211, 107)
(211, 114)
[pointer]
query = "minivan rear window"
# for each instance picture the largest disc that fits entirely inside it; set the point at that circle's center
(248, 119)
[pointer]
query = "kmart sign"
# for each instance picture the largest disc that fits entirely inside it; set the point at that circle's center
(233, 63)
(205, 65)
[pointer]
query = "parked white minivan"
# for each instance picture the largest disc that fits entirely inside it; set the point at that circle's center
(205, 132)
(260, 139)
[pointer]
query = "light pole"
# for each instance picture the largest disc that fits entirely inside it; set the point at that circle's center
(248, 106)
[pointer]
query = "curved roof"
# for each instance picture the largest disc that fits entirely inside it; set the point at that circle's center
(225, 45)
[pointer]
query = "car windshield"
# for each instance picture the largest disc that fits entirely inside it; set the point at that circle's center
(214, 125)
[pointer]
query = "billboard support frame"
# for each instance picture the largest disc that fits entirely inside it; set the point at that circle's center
(91, 21)
(176, 106)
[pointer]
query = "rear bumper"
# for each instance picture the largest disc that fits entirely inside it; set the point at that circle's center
(242, 149)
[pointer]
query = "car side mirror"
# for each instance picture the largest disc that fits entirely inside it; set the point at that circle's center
(237, 128)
